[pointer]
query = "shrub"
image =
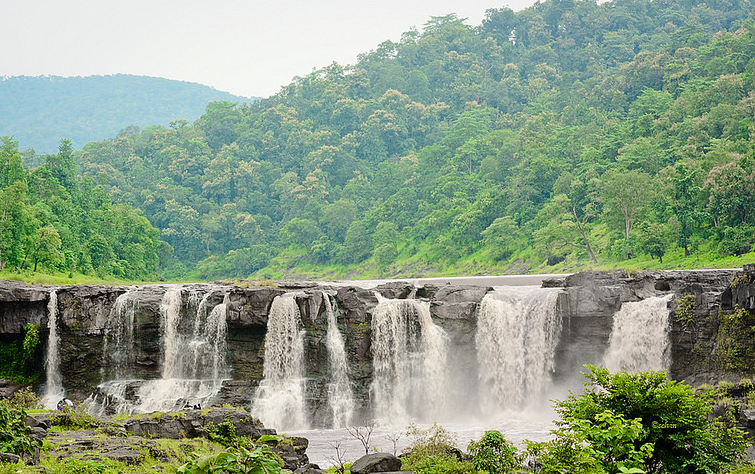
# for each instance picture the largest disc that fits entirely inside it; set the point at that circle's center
(433, 450)
(260, 460)
(14, 434)
(74, 418)
(438, 464)
(640, 422)
(494, 453)
(24, 399)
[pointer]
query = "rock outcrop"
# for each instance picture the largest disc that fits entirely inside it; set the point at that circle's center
(586, 304)
(376, 462)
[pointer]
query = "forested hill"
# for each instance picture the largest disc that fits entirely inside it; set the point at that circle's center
(569, 134)
(39, 111)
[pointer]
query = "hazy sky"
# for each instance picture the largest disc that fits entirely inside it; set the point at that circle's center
(247, 47)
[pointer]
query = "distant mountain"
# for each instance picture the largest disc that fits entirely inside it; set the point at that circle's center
(39, 111)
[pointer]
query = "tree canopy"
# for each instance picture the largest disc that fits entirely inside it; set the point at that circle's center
(569, 133)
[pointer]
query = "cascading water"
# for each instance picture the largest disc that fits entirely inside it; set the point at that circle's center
(279, 399)
(119, 339)
(340, 394)
(410, 361)
(639, 339)
(54, 389)
(517, 335)
(193, 356)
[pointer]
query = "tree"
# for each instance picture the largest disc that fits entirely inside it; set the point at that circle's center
(731, 190)
(17, 224)
(357, 245)
(684, 205)
(503, 237)
(47, 248)
(653, 239)
(11, 167)
(63, 167)
(624, 194)
(565, 220)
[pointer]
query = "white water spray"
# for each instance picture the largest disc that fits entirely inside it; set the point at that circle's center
(410, 362)
(639, 339)
(517, 335)
(340, 394)
(119, 335)
(54, 390)
(279, 399)
(193, 362)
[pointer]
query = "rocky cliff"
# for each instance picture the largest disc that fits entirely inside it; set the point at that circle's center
(710, 317)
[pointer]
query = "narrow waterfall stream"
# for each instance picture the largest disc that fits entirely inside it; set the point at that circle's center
(340, 394)
(119, 340)
(54, 386)
(640, 336)
(279, 399)
(517, 334)
(410, 362)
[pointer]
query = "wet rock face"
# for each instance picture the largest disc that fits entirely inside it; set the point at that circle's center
(586, 303)
(590, 299)
(20, 305)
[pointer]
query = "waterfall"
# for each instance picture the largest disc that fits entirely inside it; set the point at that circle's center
(170, 310)
(517, 334)
(639, 338)
(54, 389)
(410, 362)
(193, 351)
(119, 340)
(340, 394)
(279, 399)
(194, 354)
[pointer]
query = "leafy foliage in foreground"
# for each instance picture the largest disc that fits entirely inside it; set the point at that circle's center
(239, 460)
(494, 454)
(242, 455)
(641, 422)
(14, 434)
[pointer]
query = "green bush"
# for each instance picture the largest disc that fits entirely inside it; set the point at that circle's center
(638, 423)
(494, 453)
(433, 451)
(260, 460)
(437, 464)
(14, 434)
(24, 399)
(74, 418)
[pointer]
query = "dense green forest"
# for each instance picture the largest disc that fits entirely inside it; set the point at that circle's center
(38, 111)
(569, 134)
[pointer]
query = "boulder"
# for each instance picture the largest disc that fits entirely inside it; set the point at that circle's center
(249, 307)
(457, 302)
(396, 290)
(9, 458)
(358, 304)
(377, 462)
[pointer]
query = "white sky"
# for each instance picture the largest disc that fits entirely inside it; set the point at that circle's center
(246, 47)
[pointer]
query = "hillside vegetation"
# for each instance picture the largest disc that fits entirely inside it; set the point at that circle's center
(39, 111)
(564, 136)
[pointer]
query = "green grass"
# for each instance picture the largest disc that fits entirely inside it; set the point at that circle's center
(421, 260)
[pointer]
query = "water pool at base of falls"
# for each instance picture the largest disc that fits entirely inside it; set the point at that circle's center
(516, 428)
